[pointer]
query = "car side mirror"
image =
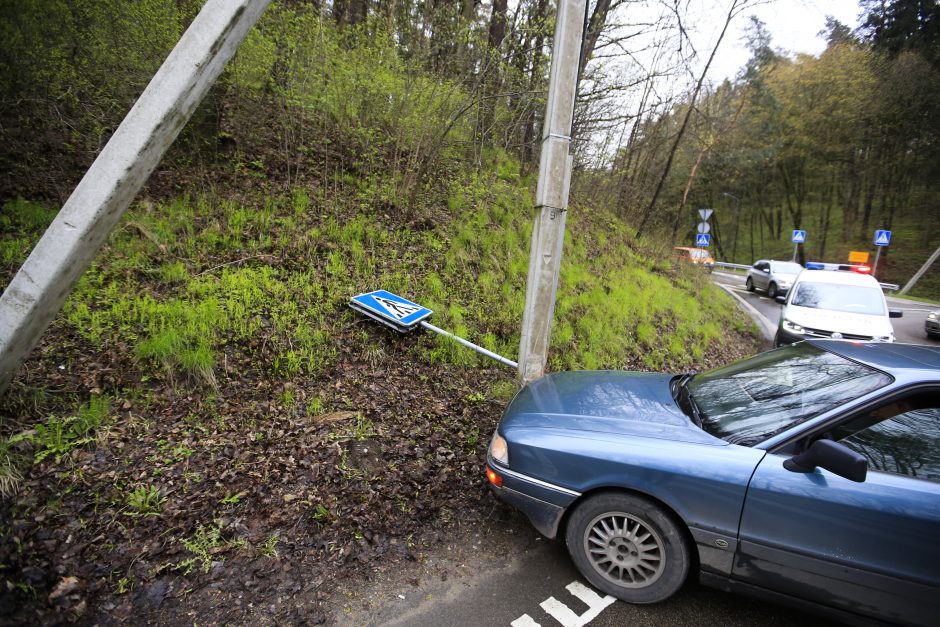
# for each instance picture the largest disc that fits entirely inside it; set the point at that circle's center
(832, 456)
(895, 313)
(781, 299)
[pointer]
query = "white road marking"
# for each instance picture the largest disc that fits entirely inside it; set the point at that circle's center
(565, 615)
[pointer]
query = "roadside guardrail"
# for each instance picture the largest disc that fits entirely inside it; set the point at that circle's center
(891, 287)
(731, 266)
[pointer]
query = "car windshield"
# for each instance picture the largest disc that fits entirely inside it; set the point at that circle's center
(751, 400)
(785, 267)
(848, 298)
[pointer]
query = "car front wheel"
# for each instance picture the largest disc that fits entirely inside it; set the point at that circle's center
(628, 547)
(772, 290)
(749, 284)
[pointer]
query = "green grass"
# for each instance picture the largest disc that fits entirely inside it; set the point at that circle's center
(57, 436)
(280, 303)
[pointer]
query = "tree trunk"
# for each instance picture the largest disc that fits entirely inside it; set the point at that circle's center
(685, 121)
(357, 11)
(491, 82)
(594, 29)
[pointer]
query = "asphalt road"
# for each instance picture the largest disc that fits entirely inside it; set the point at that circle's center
(908, 329)
(505, 574)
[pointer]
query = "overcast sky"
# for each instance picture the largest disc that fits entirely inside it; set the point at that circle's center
(794, 26)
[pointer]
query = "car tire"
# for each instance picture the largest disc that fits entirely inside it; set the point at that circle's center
(628, 547)
(749, 284)
(777, 343)
(772, 290)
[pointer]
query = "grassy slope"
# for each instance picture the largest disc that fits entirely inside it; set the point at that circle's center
(184, 283)
(206, 385)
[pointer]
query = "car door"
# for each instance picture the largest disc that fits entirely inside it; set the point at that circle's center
(760, 276)
(870, 548)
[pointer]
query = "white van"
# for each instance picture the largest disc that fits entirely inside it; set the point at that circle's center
(835, 304)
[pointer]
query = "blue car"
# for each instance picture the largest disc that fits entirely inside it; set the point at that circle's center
(809, 474)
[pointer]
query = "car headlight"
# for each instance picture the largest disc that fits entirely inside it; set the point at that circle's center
(499, 449)
(792, 327)
(932, 315)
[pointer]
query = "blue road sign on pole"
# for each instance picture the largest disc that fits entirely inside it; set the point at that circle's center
(703, 240)
(798, 236)
(390, 309)
(403, 315)
(882, 238)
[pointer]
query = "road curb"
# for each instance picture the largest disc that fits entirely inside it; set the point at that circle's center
(768, 328)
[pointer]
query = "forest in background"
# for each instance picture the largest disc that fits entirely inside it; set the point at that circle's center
(839, 145)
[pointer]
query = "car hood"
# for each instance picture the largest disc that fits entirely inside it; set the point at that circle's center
(613, 402)
(841, 321)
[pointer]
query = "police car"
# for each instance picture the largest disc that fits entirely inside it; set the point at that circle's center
(844, 304)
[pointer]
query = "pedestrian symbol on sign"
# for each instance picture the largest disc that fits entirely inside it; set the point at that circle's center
(799, 237)
(882, 238)
(703, 239)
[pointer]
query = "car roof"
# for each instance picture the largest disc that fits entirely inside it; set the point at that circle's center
(884, 355)
(838, 277)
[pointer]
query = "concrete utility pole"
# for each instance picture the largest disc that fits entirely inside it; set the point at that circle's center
(68, 246)
(919, 273)
(551, 196)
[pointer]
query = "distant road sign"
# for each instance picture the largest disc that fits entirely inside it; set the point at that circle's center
(703, 240)
(704, 227)
(882, 238)
(390, 309)
(798, 237)
(705, 213)
(858, 256)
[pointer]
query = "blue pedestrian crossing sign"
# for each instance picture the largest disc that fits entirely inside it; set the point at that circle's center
(882, 238)
(703, 240)
(798, 236)
(390, 309)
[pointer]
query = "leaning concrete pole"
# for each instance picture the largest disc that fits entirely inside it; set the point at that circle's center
(919, 273)
(68, 246)
(551, 196)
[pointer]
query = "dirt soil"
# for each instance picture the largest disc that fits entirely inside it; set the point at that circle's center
(270, 511)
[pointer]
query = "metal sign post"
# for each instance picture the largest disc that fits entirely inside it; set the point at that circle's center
(404, 316)
(882, 239)
(798, 238)
(703, 239)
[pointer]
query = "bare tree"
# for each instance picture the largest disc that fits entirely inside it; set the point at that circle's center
(736, 7)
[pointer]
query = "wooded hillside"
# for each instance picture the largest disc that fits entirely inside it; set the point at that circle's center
(838, 145)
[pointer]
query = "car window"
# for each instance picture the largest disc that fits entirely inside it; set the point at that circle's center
(902, 437)
(848, 298)
(751, 400)
(786, 267)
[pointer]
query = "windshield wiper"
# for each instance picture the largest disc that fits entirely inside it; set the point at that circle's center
(697, 414)
(680, 386)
